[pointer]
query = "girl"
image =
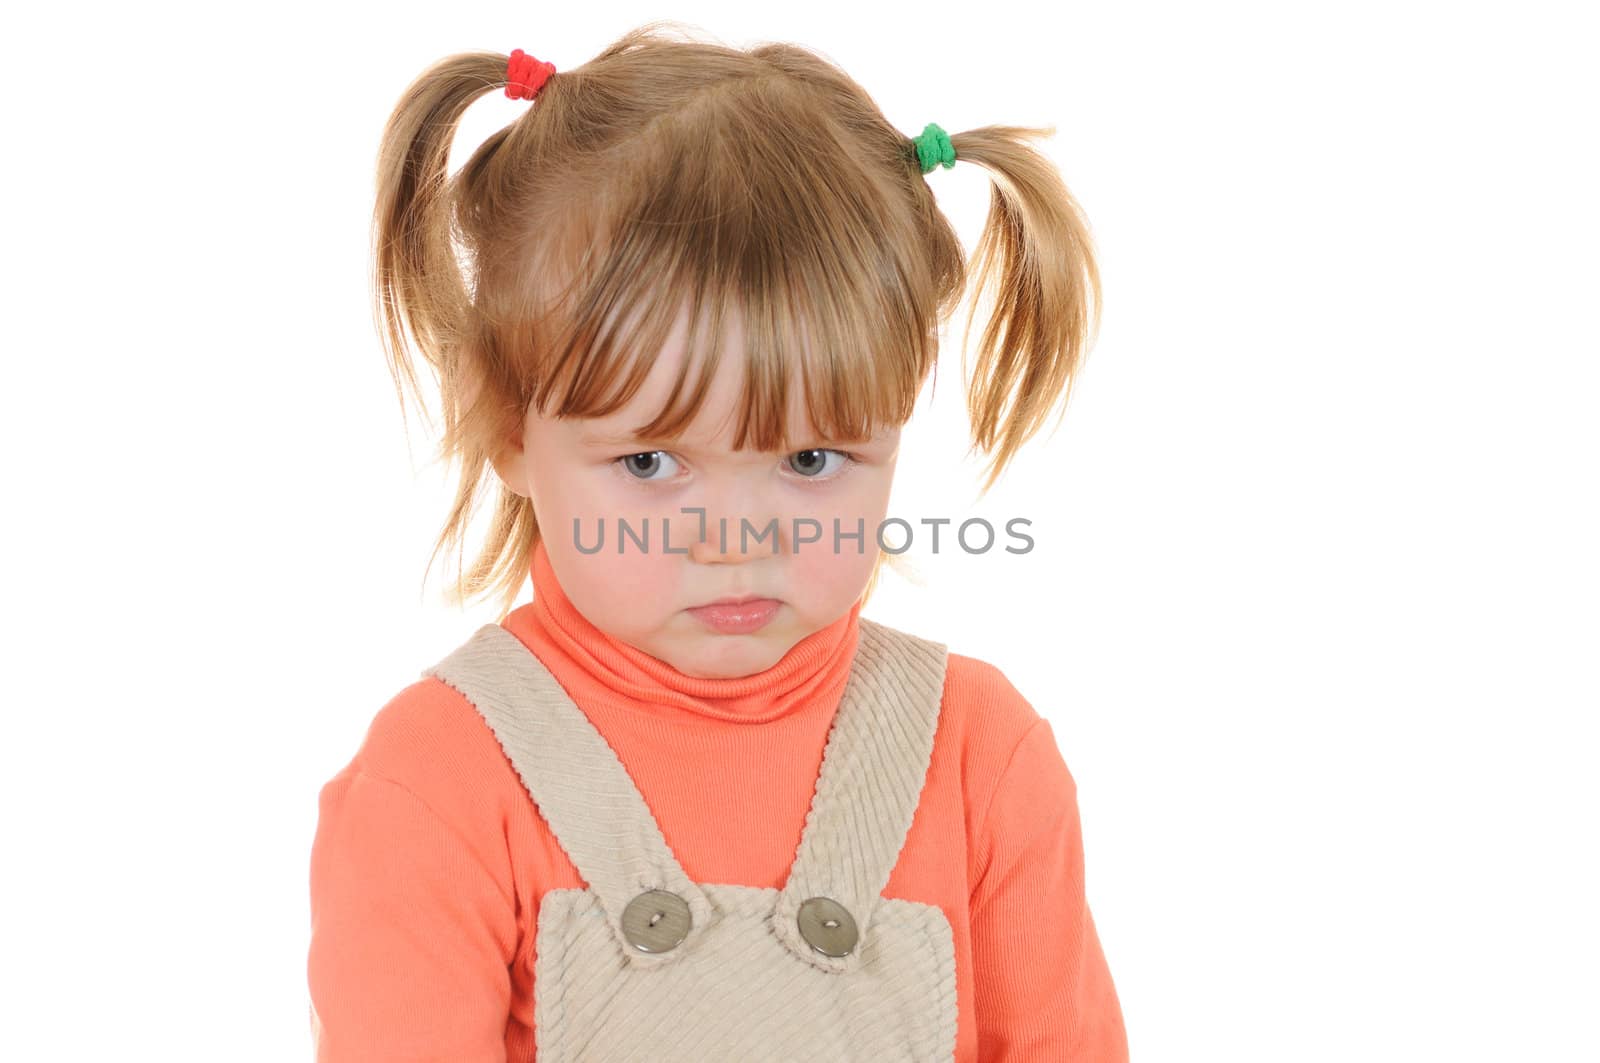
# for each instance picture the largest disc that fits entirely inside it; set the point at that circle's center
(688, 804)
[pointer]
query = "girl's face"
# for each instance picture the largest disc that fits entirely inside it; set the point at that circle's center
(594, 473)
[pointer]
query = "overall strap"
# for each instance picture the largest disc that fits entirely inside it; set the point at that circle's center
(574, 777)
(873, 770)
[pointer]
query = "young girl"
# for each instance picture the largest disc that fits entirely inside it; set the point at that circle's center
(687, 803)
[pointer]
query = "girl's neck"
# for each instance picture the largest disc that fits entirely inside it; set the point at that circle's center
(605, 667)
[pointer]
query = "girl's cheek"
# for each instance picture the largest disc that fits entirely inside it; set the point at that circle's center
(628, 595)
(630, 579)
(837, 567)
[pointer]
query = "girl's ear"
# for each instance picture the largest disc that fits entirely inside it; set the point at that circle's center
(511, 464)
(507, 458)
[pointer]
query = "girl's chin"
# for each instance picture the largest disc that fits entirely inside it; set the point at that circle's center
(711, 656)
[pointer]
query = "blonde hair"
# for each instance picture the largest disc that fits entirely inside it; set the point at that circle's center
(668, 172)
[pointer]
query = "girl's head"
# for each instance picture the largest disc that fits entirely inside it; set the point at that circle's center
(641, 526)
(703, 286)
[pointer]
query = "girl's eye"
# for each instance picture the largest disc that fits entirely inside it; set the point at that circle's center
(813, 464)
(646, 466)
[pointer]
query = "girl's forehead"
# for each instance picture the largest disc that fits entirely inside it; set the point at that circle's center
(718, 413)
(763, 390)
(716, 419)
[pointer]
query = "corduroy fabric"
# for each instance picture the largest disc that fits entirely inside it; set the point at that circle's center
(431, 863)
(743, 984)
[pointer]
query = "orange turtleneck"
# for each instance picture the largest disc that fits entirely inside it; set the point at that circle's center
(430, 857)
(592, 665)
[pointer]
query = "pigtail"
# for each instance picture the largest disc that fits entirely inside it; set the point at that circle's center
(1036, 252)
(418, 285)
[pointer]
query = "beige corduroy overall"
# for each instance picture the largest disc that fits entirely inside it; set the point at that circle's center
(646, 966)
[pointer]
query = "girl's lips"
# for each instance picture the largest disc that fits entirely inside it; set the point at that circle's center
(737, 618)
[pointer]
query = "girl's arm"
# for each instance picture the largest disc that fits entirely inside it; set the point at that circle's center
(1043, 989)
(412, 933)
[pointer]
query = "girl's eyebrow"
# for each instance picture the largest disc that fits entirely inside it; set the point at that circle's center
(619, 438)
(611, 437)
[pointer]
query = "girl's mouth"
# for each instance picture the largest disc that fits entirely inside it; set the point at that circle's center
(737, 617)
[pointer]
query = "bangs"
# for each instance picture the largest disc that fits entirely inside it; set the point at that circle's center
(731, 226)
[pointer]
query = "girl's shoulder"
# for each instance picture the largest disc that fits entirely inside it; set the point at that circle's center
(429, 740)
(982, 714)
(997, 740)
(978, 697)
(992, 713)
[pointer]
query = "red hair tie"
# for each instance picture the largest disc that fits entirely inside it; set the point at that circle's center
(525, 75)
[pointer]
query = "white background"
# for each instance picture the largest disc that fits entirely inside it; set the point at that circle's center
(1313, 604)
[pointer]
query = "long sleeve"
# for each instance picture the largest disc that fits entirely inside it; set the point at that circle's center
(1043, 988)
(413, 931)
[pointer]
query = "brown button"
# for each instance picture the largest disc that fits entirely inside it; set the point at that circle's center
(827, 927)
(656, 921)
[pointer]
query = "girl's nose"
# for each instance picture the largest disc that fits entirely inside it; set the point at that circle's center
(729, 540)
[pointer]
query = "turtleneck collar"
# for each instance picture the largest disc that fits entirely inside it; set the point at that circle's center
(590, 663)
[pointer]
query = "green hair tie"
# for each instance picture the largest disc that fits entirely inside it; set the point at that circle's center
(934, 148)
